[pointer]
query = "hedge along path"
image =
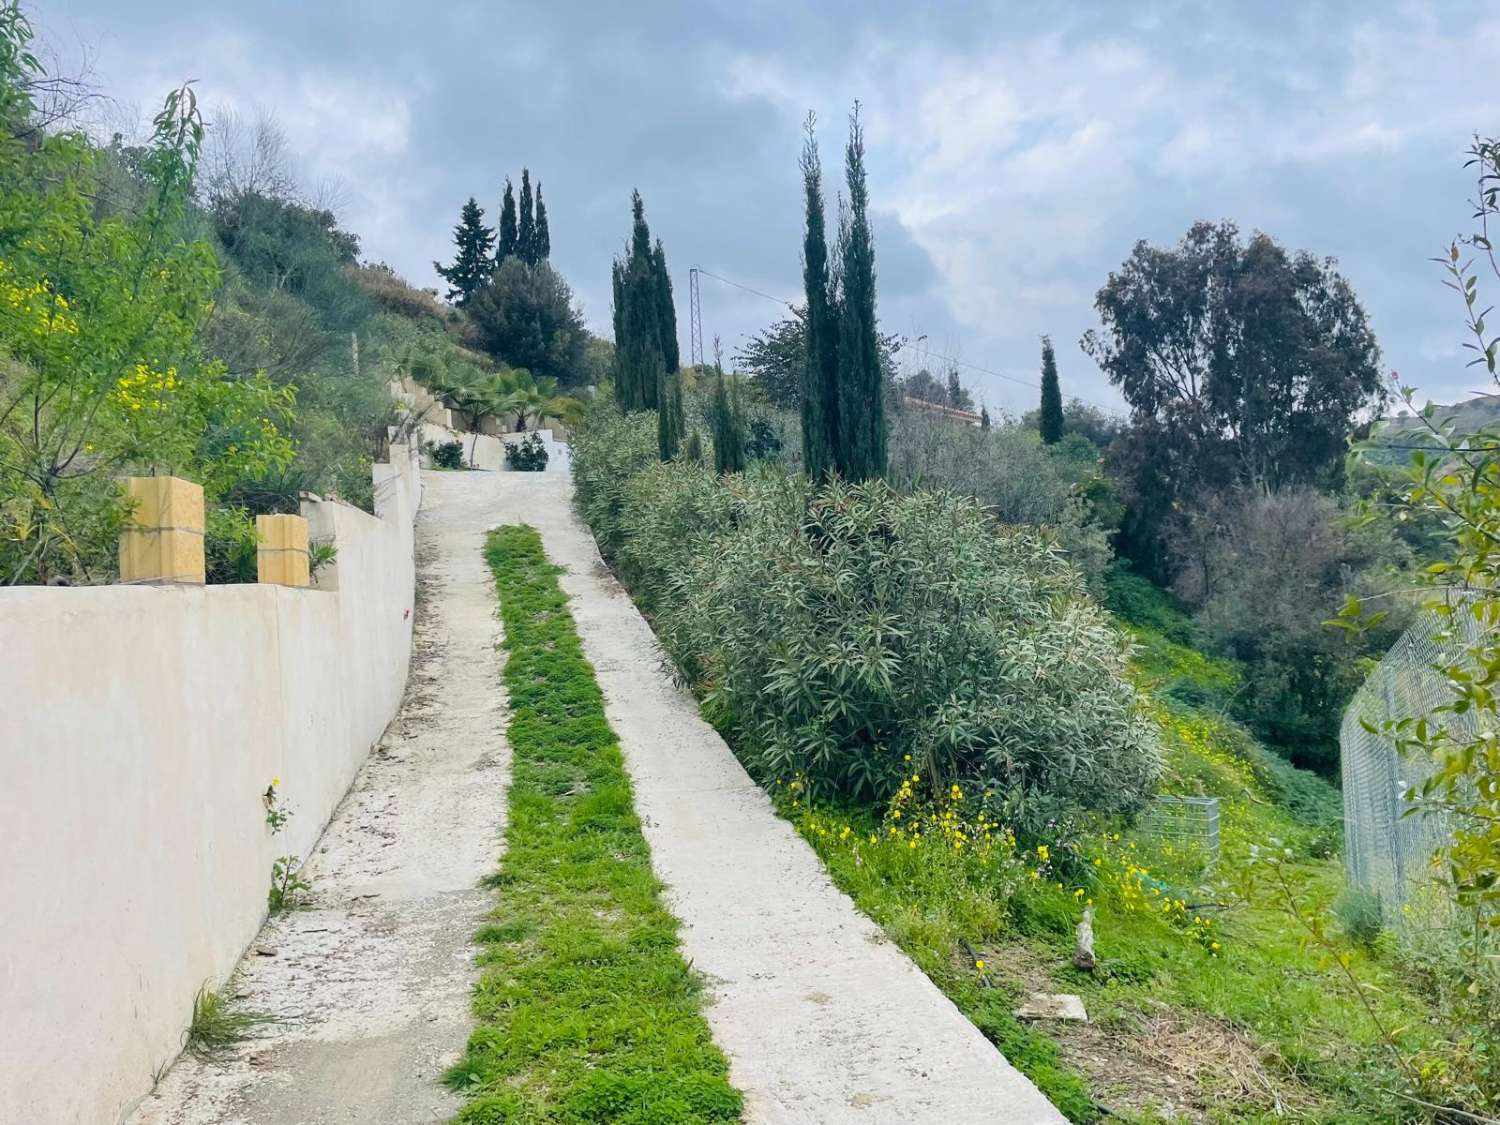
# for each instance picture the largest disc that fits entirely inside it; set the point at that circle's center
(821, 1017)
(586, 1010)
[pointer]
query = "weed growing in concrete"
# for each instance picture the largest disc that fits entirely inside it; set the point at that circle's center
(586, 1010)
(288, 885)
(218, 1025)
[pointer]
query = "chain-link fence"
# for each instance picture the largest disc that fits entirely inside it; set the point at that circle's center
(1190, 824)
(1386, 852)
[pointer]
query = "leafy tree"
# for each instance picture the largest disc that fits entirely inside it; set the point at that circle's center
(526, 317)
(508, 237)
(1091, 422)
(526, 228)
(921, 385)
(543, 235)
(644, 317)
(1264, 571)
(283, 244)
(1018, 478)
(820, 397)
(984, 417)
(861, 450)
(472, 264)
(1457, 486)
(776, 358)
(1241, 363)
(1051, 419)
(100, 374)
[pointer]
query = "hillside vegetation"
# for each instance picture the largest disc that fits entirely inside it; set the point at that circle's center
(180, 306)
(899, 632)
(1221, 988)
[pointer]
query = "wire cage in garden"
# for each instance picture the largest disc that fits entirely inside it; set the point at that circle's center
(1387, 852)
(1187, 824)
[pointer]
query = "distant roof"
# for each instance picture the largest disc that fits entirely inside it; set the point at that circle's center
(967, 416)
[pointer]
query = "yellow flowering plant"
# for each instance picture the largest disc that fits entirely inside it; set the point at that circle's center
(100, 374)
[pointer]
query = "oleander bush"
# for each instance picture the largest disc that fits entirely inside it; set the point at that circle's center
(853, 635)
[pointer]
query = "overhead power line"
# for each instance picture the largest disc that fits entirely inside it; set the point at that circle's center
(915, 346)
(746, 288)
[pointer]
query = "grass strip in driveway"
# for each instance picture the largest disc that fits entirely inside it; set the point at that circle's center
(585, 1009)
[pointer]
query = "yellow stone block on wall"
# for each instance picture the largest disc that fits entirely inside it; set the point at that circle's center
(164, 540)
(282, 556)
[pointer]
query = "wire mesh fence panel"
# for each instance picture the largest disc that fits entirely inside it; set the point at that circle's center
(1385, 851)
(1190, 823)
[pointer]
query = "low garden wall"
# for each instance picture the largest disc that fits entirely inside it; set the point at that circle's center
(141, 726)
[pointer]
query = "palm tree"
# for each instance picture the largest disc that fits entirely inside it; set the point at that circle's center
(528, 397)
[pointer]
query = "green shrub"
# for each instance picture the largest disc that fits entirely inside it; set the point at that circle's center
(609, 448)
(529, 455)
(1358, 913)
(448, 455)
(1141, 602)
(854, 635)
(671, 513)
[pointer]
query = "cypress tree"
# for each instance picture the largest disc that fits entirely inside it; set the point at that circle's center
(543, 235)
(645, 321)
(693, 450)
(820, 371)
(666, 311)
(861, 452)
(507, 246)
(526, 226)
(729, 427)
(617, 315)
(669, 413)
(472, 264)
(1052, 408)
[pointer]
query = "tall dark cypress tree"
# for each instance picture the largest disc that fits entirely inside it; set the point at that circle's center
(617, 314)
(507, 246)
(543, 235)
(526, 227)
(1052, 407)
(666, 311)
(820, 373)
(729, 427)
(670, 418)
(472, 264)
(643, 296)
(861, 452)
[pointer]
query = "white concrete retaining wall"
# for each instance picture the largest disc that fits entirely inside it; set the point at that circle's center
(140, 726)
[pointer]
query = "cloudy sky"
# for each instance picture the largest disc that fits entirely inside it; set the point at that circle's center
(1016, 151)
